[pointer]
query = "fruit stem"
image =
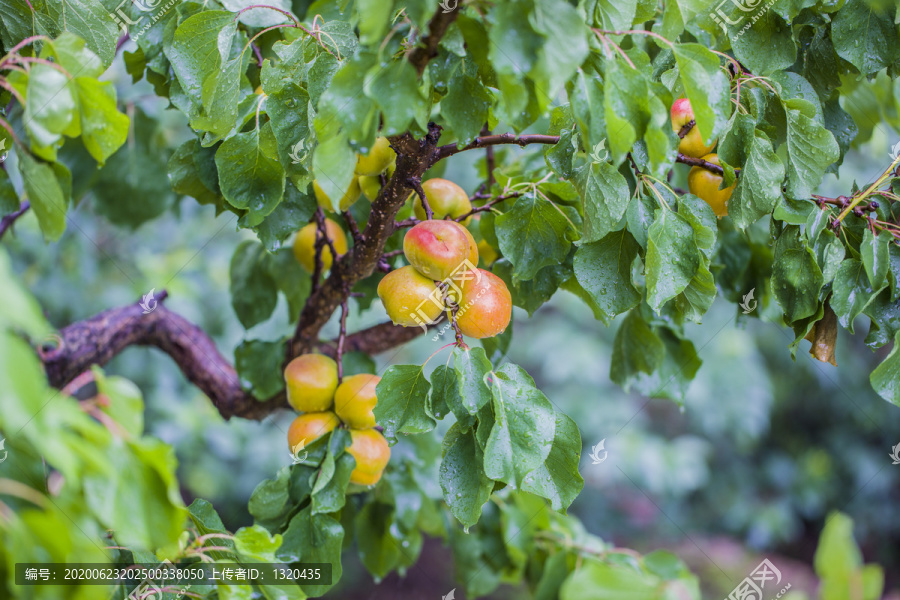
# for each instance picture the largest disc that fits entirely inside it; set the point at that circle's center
(416, 184)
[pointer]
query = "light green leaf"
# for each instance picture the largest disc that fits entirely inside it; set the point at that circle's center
(258, 364)
(885, 379)
(876, 257)
(395, 89)
(48, 187)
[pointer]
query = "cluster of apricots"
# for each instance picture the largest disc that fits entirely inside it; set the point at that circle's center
(443, 273)
(312, 388)
(701, 182)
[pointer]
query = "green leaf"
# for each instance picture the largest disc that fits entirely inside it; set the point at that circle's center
(291, 214)
(395, 89)
(876, 258)
(810, 150)
(126, 404)
(258, 364)
(605, 195)
(330, 490)
(603, 269)
(672, 257)
(378, 550)
(90, 20)
(138, 171)
(250, 175)
(766, 45)
(611, 14)
(596, 580)
(532, 234)
(333, 165)
(564, 47)
(374, 17)
(707, 88)
(531, 294)
(253, 291)
(796, 277)
(558, 479)
(271, 501)
(49, 195)
(313, 538)
(471, 366)
(403, 401)
(256, 543)
(837, 551)
(524, 426)
(445, 396)
(466, 487)
(885, 379)
(49, 106)
(205, 54)
(513, 47)
(467, 103)
(759, 186)
(103, 128)
(852, 292)
(865, 36)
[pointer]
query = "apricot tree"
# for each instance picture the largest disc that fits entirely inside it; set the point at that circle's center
(335, 120)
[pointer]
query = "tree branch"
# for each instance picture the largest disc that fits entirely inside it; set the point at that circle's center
(496, 140)
(699, 162)
(97, 340)
(7, 221)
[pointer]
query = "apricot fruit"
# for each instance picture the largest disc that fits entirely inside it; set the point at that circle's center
(347, 200)
(705, 185)
(355, 399)
(309, 427)
(437, 248)
(485, 307)
(311, 380)
(445, 199)
(372, 454)
(305, 245)
(691, 144)
(377, 160)
(410, 298)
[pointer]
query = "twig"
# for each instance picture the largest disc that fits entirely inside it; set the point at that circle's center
(7, 221)
(406, 223)
(392, 254)
(420, 55)
(496, 140)
(416, 184)
(489, 161)
(354, 228)
(686, 129)
(488, 206)
(339, 354)
(699, 162)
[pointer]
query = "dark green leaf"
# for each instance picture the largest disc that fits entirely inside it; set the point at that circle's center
(796, 277)
(605, 195)
(258, 364)
(603, 269)
(532, 234)
(403, 401)
(253, 291)
(672, 257)
(466, 487)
